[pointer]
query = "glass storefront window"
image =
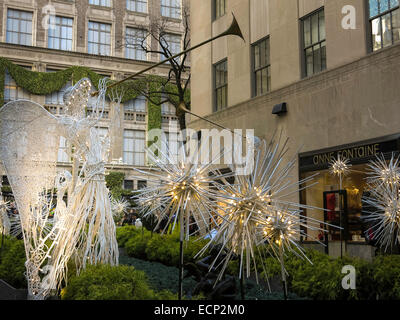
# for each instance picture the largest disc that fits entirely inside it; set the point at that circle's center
(355, 186)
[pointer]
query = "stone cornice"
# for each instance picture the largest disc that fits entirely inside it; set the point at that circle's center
(71, 54)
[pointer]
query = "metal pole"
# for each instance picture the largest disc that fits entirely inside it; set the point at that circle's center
(2, 223)
(340, 217)
(180, 284)
(2, 242)
(284, 283)
(242, 284)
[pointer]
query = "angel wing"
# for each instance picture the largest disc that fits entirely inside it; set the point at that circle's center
(28, 149)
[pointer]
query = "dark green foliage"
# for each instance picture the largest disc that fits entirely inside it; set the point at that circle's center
(114, 182)
(157, 247)
(160, 277)
(322, 280)
(115, 179)
(125, 233)
(6, 189)
(104, 282)
(386, 276)
(136, 246)
(12, 262)
(163, 277)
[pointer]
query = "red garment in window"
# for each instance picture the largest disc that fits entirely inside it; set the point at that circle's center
(330, 205)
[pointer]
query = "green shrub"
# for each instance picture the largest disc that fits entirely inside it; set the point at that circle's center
(136, 246)
(160, 276)
(164, 248)
(104, 282)
(320, 280)
(12, 262)
(386, 276)
(125, 233)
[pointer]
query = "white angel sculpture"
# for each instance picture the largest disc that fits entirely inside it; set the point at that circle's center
(83, 227)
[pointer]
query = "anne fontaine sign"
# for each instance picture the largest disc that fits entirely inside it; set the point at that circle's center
(357, 154)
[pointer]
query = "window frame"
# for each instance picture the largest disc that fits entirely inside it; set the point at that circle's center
(171, 9)
(7, 31)
(129, 181)
(379, 16)
(135, 4)
(99, 31)
(214, 10)
(10, 85)
(135, 47)
(217, 88)
(142, 182)
(304, 48)
(133, 152)
(267, 66)
(60, 39)
(100, 5)
(166, 38)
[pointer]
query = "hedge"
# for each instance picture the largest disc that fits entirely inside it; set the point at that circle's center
(321, 280)
(12, 262)
(142, 244)
(44, 83)
(105, 282)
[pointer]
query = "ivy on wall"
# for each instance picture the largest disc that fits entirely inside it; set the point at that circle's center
(44, 83)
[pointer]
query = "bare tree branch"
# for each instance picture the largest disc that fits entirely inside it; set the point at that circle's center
(159, 32)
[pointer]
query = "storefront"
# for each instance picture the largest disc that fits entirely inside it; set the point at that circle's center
(342, 207)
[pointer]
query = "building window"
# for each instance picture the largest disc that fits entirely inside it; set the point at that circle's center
(135, 41)
(384, 16)
(141, 184)
(136, 5)
(103, 3)
(12, 91)
(170, 147)
(63, 151)
(172, 42)
(221, 85)
(60, 35)
(99, 40)
(57, 97)
(19, 27)
(134, 153)
(167, 108)
(102, 132)
(5, 181)
(314, 43)
(262, 67)
(128, 184)
(219, 8)
(136, 105)
(171, 8)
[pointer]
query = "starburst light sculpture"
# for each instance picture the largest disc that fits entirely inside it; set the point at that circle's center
(253, 201)
(383, 201)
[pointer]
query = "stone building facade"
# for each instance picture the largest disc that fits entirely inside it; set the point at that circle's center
(333, 66)
(93, 34)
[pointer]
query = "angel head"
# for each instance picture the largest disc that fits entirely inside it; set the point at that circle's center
(76, 98)
(79, 97)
